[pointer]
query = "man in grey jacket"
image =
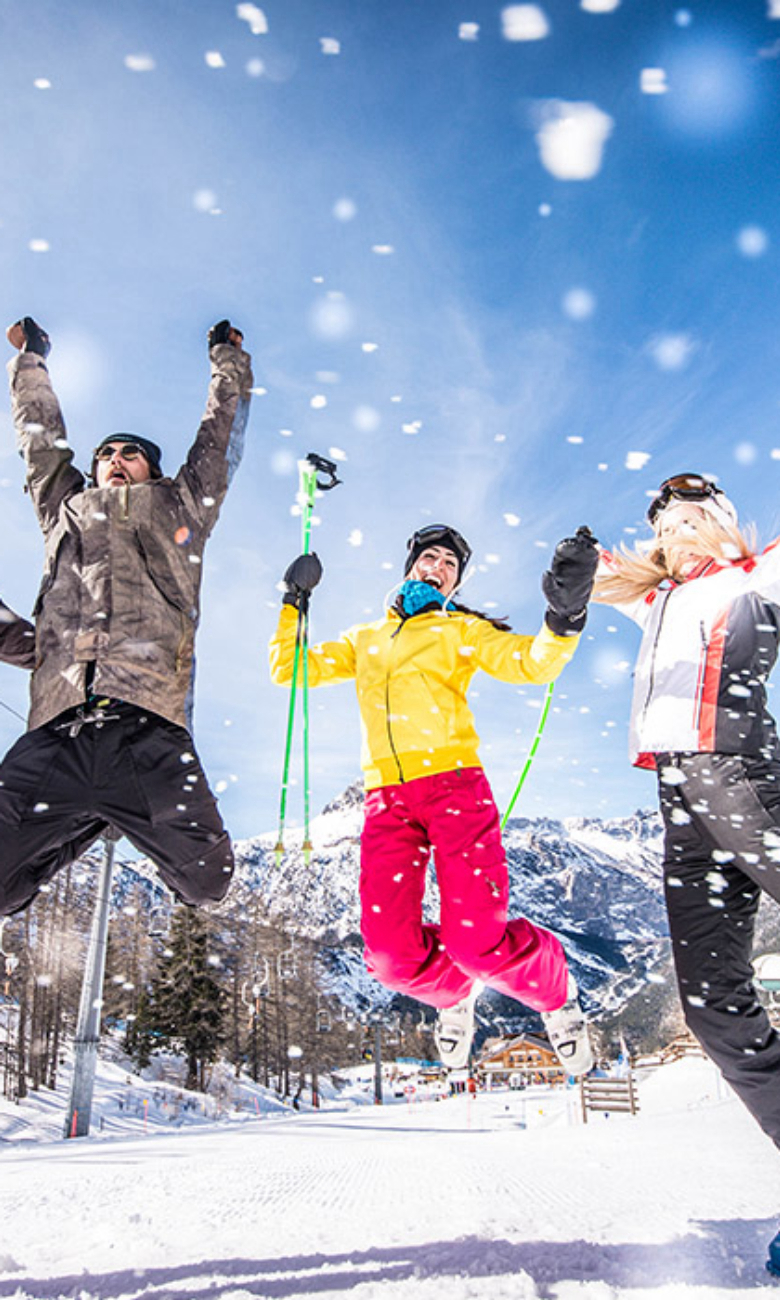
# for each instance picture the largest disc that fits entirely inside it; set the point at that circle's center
(109, 739)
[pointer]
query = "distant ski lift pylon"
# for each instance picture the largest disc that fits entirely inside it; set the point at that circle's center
(285, 965)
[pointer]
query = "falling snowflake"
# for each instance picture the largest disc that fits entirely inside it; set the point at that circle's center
(579, 304)
(637, 459)
(329, 45)
(468, 31)
(384, 250)
(745, 453)
(571, 138)
(511, 520)
(331, 317)
(366, 419)
(355, 538)
(345, 209)
(140, 62)
(214, 59)
(524, 23)
(652, 81)
(671, 351)
(249, 13)
(752, 241)
(204, 200)
(672, 776)
(39, 246)
(318, 402)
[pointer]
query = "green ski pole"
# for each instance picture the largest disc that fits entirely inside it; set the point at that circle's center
(309, 484)
(531, 753)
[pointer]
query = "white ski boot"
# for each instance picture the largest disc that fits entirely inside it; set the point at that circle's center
(567, 1030)
(454, 1030)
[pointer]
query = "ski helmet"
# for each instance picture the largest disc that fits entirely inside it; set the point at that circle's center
(437, 535)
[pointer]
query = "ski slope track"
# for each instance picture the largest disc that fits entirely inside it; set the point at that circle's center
(506, 1196)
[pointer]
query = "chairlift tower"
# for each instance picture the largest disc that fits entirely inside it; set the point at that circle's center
(79, 1112)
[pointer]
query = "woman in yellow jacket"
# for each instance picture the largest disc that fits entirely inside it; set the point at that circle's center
(426, 792)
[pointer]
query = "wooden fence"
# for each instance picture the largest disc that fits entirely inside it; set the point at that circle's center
(609, 1095)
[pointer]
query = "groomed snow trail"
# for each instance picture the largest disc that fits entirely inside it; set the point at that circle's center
(452, 1199)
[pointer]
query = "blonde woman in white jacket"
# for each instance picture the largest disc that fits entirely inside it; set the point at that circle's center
(708, 605)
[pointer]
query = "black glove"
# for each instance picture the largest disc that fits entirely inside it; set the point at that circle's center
(300, 579)
(37, 340)
(568, 582)
(220, 333)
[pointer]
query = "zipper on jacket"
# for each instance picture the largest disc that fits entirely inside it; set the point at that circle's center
(698, 695)
(387, 713)
(651, 681)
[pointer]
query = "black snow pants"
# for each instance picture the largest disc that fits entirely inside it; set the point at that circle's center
(62, 785)
(722, 818)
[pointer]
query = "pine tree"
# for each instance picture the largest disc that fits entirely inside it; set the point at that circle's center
(186, 1003)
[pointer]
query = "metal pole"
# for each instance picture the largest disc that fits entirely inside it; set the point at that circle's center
(378, 1099)
(88, 1026)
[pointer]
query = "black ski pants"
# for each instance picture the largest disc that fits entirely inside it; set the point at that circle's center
(137, 772)
(722, 818)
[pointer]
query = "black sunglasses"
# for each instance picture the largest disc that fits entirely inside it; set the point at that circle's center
(127, 450)
(682, 487)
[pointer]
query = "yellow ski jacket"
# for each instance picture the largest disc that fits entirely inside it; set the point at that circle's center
(412, 676)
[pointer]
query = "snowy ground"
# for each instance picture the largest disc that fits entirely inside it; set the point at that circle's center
(504, 1196)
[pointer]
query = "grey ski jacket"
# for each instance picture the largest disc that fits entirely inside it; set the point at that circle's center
(122, 575)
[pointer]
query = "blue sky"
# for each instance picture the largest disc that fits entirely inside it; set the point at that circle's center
(511, 265)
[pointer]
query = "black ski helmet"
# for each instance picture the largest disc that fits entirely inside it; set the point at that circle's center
(150, 450)
(437, 535)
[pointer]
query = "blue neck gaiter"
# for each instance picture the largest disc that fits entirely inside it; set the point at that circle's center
(416, 597)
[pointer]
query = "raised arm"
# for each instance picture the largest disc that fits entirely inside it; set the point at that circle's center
(219, 444)
(330, 661)
(17, 639)
(511, 657)
(40, 428)
(567, 585)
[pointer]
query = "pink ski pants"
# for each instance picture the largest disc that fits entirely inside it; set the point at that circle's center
(452, 815)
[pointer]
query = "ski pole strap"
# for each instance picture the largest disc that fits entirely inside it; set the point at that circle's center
(529, 760)
(321, 465)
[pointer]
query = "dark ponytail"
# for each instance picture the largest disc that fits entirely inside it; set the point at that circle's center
(500, 624)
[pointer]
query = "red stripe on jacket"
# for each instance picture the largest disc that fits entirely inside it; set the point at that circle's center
(711, 685)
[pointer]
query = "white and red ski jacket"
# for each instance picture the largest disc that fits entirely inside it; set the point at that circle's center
(708, 646)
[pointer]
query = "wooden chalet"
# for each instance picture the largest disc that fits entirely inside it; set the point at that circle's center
(527, 1058)
(683, 1045)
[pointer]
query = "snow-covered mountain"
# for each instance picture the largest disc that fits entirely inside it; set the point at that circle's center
(596, 883)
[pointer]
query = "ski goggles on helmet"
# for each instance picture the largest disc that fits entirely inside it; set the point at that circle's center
(683, 487)
(437, 535)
